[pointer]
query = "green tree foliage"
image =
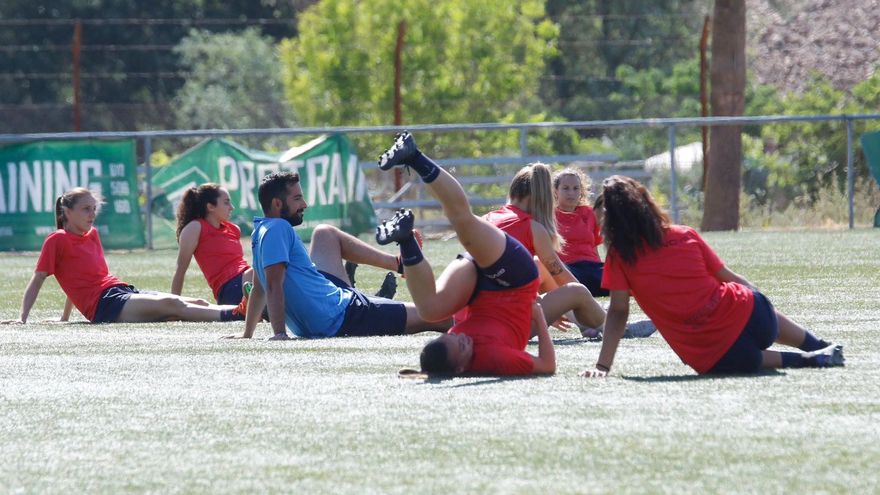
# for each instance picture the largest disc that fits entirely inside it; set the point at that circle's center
(600, 38)
(129, 72)
(463, 61)
(234, 82)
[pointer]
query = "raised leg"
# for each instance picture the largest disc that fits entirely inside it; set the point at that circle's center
(330, 246)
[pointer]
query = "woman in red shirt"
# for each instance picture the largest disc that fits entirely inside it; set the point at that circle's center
(528, 217)
(204, 231)
(74, 254)
(496, 278)
(713, 319)
(577, 224)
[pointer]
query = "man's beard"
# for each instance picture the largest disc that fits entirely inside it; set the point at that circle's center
(293, 219)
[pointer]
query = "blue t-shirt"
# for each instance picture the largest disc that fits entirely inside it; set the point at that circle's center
(313, 306)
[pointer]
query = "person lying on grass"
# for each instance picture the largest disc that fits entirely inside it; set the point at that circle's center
(311, 294)
(74, 254)
(496, 279)
(715, 320)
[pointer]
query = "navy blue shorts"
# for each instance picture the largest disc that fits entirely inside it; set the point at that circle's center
(230, 293)
(111, 302)
(760, 332)
(515, 268)
(368, 315)
(589, 273)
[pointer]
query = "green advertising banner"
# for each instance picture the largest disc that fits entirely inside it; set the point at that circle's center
(33, 175)
(334, 186)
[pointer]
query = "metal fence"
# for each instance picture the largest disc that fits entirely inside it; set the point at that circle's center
(671, 125)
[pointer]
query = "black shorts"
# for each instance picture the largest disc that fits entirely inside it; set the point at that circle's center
(230, 293)
(111, 302)
(760, 332)
(589, 273)
(515, 268)
(368, 315)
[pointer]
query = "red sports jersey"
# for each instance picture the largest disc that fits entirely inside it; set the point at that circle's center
(581, 233)
(675, 285)
(79, 266)
(500, 325)
(515, 222)
(219, 253)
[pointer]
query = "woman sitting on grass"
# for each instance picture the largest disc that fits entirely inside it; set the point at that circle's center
(74, 254)
(715, 320)
(577, 224)
(497, 279)
(204, 231)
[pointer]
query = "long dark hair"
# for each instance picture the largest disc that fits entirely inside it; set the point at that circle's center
(632, 222)
(68, 200)
(194, 204)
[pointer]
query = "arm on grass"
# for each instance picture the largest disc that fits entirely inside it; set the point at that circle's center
(545, 362)
(727, 275)
(68, 308)
(615, 325)
(30, 297)
(275, 299)
(189, 241)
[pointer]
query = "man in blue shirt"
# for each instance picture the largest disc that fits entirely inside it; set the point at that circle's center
(310, 295)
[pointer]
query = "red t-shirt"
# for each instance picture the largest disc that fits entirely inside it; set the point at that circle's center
(78, 263)
(581, 233)
(515, 222)
(500, 325)
(675, 285)
(219, 253)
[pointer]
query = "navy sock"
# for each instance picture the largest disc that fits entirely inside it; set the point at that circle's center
(410, 252)
(427, 169)
(228, 315)
(793, 360)
(811, 343)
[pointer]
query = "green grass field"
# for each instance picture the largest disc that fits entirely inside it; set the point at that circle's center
(169, 408)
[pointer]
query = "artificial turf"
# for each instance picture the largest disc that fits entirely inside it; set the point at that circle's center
(170, 408)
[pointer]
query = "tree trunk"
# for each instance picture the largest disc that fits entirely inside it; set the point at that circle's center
(728, 75)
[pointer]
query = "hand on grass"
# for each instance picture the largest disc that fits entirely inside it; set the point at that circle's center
(236, 336)
(593, 373)
(279, 336)
(11, 322)
(564, 324)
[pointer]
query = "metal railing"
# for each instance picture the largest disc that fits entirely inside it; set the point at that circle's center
(671, 124)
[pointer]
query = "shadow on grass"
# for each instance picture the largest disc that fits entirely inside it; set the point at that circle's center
(689, 378)
(422, 379)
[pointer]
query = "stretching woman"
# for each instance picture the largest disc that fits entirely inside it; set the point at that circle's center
(74, 254)
(714, 320)
(204, 231)
(496, 278)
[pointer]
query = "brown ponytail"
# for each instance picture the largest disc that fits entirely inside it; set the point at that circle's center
(534, 182)
(194, 204)
(68, 200)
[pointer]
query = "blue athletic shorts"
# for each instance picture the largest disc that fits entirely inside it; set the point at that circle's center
(515, 268)
(111, 302)
(745, 355)
(230, 293)
(369, 315)
(589, 273)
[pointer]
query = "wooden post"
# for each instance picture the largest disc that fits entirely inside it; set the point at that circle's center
(77, 44)
(704, 91)
(398, 114)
